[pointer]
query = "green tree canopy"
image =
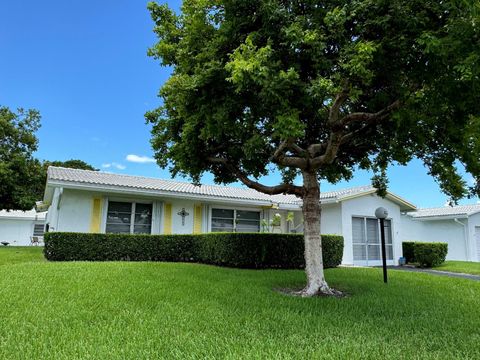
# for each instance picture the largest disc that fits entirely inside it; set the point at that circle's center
(316, 89)
(22, 176)
(19, 175)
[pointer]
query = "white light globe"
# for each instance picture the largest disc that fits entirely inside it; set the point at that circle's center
(381, 213)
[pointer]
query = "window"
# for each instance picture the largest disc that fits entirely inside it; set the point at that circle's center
(366, 239)
(227, 220)
(222, 220)
(129, 218)
(247, 221)
(38, 229)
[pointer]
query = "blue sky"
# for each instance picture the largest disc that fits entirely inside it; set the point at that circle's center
(83, 65)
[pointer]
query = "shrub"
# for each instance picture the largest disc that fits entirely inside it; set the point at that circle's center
(244, 250)
(408, 251)
(430, 254)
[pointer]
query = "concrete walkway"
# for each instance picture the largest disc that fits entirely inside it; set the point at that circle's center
(435, 272)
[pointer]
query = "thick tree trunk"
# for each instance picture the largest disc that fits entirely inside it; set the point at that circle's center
(313, 242)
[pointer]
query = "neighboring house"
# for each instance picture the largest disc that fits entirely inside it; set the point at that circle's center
(18, 227)
(459, 226)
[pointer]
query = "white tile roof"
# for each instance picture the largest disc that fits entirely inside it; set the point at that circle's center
(461, 210)
(22, 215)
(102, 179)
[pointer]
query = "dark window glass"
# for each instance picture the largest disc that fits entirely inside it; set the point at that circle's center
(119, 217)
(222, 213)
(143, 219)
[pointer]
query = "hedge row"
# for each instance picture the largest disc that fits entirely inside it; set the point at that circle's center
(426, 254)
(407, 248)
(242, 250)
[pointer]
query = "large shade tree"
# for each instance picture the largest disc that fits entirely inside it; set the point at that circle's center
(19, 175)
(22, 176)
(315, 89)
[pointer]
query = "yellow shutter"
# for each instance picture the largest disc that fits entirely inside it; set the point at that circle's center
(96, 216)
(197, 219)
(167, 219)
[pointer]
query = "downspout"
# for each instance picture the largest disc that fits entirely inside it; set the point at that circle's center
(465, 235)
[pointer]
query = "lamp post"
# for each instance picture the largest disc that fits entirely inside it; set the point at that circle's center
(381, 213)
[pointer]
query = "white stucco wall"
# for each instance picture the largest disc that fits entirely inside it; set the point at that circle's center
(331, 219)
(437, 231)
(75, 211)
(53, 210)
(17, 232)
(473, 239)
(365, 206)
(72, 211)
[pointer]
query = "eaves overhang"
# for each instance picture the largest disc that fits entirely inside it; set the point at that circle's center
(153, 193)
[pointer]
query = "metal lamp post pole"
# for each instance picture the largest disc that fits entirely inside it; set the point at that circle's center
(384, 255)
(381, 214)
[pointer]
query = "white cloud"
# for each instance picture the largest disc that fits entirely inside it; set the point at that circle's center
(114, 165)
(139, 159)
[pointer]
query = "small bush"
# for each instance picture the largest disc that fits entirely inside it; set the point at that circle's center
(430, 254)
(243, 250)
(408, 254)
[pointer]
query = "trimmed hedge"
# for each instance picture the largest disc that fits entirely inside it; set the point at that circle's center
(242, 250)
(426, 254)
(430, 254)
(408, 254)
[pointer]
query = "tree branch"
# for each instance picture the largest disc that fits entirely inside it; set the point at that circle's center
(269, 190)
(331, 150)
(371, 119)
(334, 111)
(279, 157)
(315, 149)
(338, 136)
(361, 116)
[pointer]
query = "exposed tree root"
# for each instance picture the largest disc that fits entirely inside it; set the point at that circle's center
(305, 294)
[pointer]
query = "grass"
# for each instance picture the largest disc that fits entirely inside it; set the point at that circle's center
(20, 254)
(188, 311)
(466, 267)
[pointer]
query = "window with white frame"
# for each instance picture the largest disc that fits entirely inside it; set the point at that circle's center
(129, 218)
(230, 220)
(366, 239)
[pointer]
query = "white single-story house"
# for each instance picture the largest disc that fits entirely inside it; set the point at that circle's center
(18, 227)
(459, 226)
(98, 202)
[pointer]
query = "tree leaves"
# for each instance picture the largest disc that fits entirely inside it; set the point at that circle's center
(250, 75)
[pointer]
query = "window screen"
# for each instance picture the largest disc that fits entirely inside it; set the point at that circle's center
(248, 221)
(366, 239)
(143, 219)
(119, 217)
(223, 220)
(228, 220)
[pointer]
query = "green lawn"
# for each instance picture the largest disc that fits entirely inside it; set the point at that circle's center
(466, 267)
(188, 311)
(20, 254)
